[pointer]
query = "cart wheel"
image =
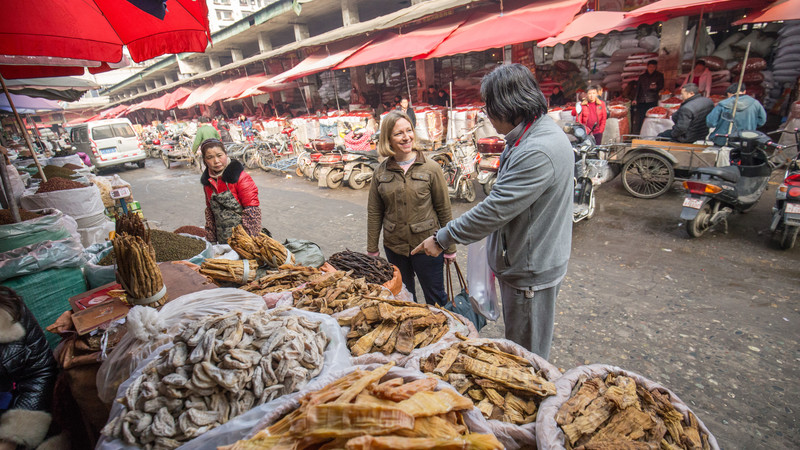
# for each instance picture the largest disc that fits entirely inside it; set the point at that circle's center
(789, 236)
(250, 158)
(165, 158)
(701, 223)
(353, 183)
(265, 159)
(329, 179)
(647, 175)
(469, 191)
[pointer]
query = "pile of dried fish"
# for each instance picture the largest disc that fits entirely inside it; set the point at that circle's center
(502, 386)
(228, 270)
(389, 326)
(218, 369)
(138, 272)
(617, 412)
(336, 291)
(263, 248)
(374, 269)
(286, 278)
(357, 411)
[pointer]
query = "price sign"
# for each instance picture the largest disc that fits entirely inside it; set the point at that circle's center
(120, 193)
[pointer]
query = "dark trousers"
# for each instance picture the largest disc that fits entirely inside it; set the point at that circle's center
(428, 269)
(598, 138)
(641, 112)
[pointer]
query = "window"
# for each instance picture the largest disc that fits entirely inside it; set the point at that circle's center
(102, 132)
(123, 130)
(224, 14)
(222, 2)
(244, 3)
(80, 135)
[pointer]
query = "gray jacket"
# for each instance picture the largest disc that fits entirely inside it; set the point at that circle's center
(528, 214)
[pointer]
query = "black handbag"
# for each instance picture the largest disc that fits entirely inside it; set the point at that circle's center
(460, 303)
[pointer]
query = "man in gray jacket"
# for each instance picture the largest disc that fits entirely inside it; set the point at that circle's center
(528, 215)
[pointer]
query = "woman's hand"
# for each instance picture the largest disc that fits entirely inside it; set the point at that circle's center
(429, 247)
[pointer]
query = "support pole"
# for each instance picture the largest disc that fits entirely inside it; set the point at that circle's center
(739, 88)
(697, 45)
(7, 192)
(408, 85)
(24, 130)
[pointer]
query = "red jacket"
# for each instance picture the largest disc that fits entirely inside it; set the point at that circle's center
(233, 179)
(583, 118)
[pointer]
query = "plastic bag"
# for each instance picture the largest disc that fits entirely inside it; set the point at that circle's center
(78, 203)
(548, 432)
(38, 257)
(148, 329)
(52, 226)
(336, 360)
(306, 253)
(480, 278)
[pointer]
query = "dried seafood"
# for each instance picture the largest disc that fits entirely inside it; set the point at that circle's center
(218, 369)
(616, 412)
(389, 326)
(264, 249)
(358, 411)
(286, 278)
(336, 291)
(227, 270)
(138, 272)
(502, 386)
(374, 269)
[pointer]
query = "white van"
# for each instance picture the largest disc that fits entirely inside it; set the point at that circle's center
(108, 142)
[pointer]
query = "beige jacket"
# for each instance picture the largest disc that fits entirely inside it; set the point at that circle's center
(409, 207)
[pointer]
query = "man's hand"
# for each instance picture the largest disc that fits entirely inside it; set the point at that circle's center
(429, 247)
(374, 253)
(450, 256)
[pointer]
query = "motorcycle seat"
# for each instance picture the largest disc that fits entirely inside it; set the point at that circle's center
(729, 173)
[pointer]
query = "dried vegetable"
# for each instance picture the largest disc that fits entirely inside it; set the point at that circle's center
(219, 368)
(227, 270)
(503, 386)
(138, 272)
(58, 184)
(55, 171)
(616, 412)
(6, 218)
(264, 249)
(389, 326)
(131, 223)
(358, 411)
(334, 292)
(191, 229)
(286, 278)
(374, 269)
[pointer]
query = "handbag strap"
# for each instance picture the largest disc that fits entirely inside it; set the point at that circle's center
(449, 283)
(461, 279)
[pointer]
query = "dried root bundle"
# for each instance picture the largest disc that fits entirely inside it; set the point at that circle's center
(264, 249)
(370, 410)
(336, 291)
(227, 270)
(502, 386)
(374, 269)
(137, 270)
(389, 326)
(132, 224)
(617, 412)
(286, 278)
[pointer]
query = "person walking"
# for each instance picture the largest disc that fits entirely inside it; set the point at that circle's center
(231, 195)
(528, 215)
(247, 127)
(593, 114)
(206, 131)
(409, 201)
(690, 118)
(750, 115)
(648, 87)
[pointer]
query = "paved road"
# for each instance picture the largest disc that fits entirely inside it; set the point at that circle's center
(715, 319)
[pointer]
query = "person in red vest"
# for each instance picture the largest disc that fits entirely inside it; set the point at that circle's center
(593, 114)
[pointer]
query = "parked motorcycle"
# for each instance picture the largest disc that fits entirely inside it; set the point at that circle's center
(714, 193)
(307, 164)
(330, 169)
(490, 149)
(786, 212)
(459, 160)
(359, 167)
(583, 145)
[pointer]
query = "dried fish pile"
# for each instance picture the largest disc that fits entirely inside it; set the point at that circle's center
(374, 269)
(358, 411)
(263, 248)
(389, 326)
(227, 270)
(218, 369)
(334, 292)
(285, 278)
(138, 272)
(617, 412)
(503, 386)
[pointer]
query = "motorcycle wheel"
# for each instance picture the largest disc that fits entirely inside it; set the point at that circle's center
(352, 181)
(701, 222)
(329, 179)
(447, 168)
(265, 160)
(647, 175)
(469, 191)
(165, 158)
(315, 173)
(789, 236)
(487, 188)
(298, 171)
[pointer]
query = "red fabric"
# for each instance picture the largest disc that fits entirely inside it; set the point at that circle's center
(235, 88)
(589, 116)
(244, 191)
(322, 60)
(780, 10)
(593, 23)
(664, 10)
(96, 30)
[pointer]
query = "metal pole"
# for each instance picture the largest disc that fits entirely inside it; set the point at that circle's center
(408, 85)
(696, 44)
(739, 88)
(305, 99)
(335, 89)
(9, 194)
(24, 130)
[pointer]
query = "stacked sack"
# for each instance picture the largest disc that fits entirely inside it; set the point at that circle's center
(753, 77)
(785, 63)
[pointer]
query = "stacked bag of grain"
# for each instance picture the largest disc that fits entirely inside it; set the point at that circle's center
(785, 62)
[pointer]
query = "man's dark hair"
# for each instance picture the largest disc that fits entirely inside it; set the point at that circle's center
(592, 86)
(203, 119)
(691, 88)
(511, 93)
(732, 89)
(700, 62)
(652, 62)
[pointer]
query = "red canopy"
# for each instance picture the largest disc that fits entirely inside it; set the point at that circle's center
(780, 10)
(667, 9)
(169, 100)
(196, 97)
(391, 46)
(317, 62)
(487, 28)
(264, 88)
(593, 23)
(112, 112)
(235, 88)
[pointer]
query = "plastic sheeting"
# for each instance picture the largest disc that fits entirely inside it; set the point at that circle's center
(78, 203)
(52, 226)
(42, 256)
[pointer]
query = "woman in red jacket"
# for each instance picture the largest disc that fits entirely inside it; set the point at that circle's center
(593, 114)
(231, 194)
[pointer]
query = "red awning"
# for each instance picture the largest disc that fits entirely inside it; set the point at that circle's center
(391, 46)
(667, 9)
(780, 10)
(235, 88)
(196, 97)
(112, 112)
(593, 23)
(487, 28)
(169, 100)
(317, 62)
(265, 87)
(137, 106)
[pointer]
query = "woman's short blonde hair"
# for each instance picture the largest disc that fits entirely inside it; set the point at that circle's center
(385, 138)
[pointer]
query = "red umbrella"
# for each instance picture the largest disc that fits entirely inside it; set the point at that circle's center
(780, 10)
(592, 23)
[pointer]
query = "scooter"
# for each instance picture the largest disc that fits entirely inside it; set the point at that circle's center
(583, 145)
(490, 149)
(786, 212)
(459, 160)
(359, 167)
(714, 193)
(307, 163)
(330, 169)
